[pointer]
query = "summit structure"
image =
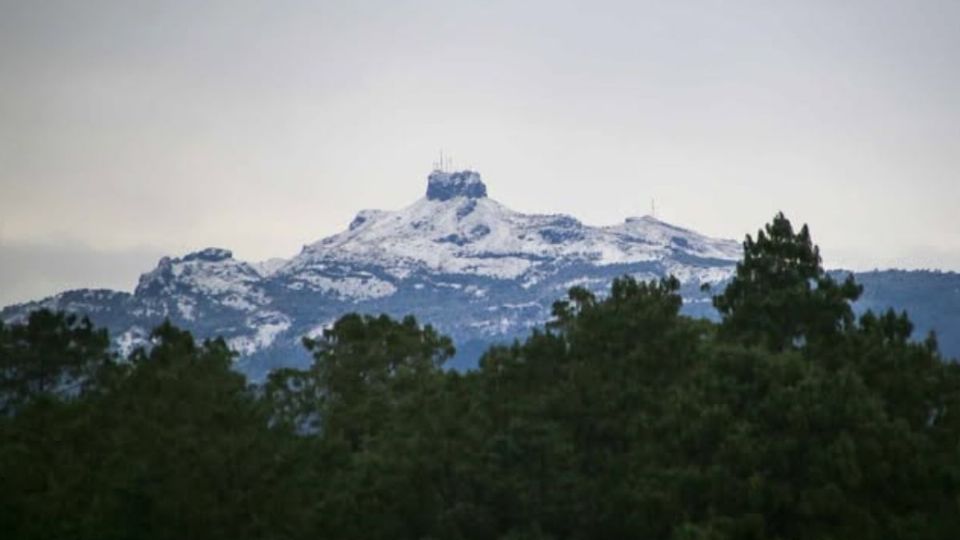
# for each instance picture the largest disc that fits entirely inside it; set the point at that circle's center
(443, 186)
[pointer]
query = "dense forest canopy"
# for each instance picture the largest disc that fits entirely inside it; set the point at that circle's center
(790, 418)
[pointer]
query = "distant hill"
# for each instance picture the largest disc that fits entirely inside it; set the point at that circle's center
(931, 298)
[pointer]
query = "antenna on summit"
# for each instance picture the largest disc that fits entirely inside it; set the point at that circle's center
(653, 208)
(445, 162)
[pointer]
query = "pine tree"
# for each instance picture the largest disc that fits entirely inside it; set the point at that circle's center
(52, 355)
(780, 297)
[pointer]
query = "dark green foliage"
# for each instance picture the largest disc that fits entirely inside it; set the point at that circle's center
(620, 419)
(170, 444)
(53, 356)
(781, 297)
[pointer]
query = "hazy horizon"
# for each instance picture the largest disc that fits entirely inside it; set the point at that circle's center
(133, 130)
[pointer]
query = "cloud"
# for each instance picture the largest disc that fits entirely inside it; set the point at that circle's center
(34, 271)
(260, 128)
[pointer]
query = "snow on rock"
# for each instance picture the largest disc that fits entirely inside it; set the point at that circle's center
(700, 274)
(648, 229)
(212, 273)
(454, 258)
(134, 337)
(443, 186)
(266, 327)
(344, 287)
(268, 267)
(186, 306)
(209, 255)
(456, 229)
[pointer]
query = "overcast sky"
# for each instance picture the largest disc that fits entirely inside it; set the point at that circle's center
(129, 129)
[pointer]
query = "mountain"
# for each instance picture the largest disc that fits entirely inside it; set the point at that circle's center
(477, 270)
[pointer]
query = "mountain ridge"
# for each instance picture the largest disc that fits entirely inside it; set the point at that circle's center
(455, 258)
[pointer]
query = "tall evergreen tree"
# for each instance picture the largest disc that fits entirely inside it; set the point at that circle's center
(51, 355)
(780, 296)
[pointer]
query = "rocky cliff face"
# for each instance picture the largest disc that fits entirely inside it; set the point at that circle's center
(443, 186)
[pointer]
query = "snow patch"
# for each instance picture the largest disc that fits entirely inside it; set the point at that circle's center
(349, 287)
(266, 331)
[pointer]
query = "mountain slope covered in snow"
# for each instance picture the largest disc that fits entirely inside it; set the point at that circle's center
(456, 258)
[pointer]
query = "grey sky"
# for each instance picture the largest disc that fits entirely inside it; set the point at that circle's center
(131, 129)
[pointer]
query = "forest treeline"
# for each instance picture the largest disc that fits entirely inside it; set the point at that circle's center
(789, 419)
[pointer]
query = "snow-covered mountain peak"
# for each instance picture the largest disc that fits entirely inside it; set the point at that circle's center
(652, 230)
(442, 185)
(211, 271)
(212, 254)
(456, 229)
